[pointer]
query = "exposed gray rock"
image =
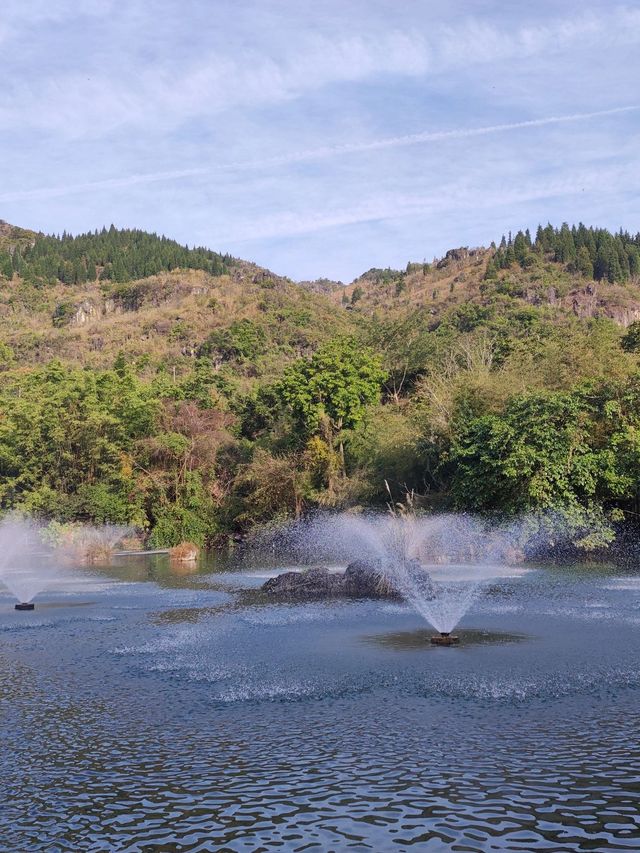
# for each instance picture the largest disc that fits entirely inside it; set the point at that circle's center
(362, 579)
(84, 312)
(314, 583)
(365, 579)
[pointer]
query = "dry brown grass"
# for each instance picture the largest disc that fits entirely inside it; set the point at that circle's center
(177, 311)
(185, 552)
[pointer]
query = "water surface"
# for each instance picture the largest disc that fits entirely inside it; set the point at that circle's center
(161, 711)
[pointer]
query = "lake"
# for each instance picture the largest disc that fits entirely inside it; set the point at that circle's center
(150, 709)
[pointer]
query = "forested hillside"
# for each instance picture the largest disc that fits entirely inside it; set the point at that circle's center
(110, 255)
(194, 395)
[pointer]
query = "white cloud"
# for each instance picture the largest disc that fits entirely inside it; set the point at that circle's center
(78, 104)
(375, 126)
(323, 153)
(163, 94)
(459, 196)
(476, 41)
(18, 15)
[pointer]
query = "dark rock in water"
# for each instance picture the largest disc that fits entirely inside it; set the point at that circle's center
(365, 579)
(362, 579)
(314, 583)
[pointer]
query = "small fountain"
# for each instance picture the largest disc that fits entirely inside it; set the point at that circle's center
(444, 638)
(32, 557)
(24, 566)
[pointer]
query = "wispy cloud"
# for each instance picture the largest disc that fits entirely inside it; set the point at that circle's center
(18, 15)
(79, 104)
(161, 93)
(319, 137)
(322, 153)
(463, 195)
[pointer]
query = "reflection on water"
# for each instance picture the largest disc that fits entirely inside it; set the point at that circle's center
(171, 713)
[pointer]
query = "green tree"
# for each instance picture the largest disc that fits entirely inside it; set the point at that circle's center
(537, 455)
(584, 264)
(630, 341)
(331, 391)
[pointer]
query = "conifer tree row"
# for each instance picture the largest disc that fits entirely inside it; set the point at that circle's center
(111, 254)
(593, 252)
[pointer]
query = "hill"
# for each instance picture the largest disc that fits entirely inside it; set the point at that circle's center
(192, 394)
(544, 275)
(83, 300)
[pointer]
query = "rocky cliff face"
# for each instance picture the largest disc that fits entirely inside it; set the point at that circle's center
(459, 278)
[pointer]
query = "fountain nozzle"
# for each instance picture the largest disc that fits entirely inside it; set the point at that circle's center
(25, 605)
(445, 638)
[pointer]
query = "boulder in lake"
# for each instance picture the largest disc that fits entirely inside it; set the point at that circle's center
(362, 579)
(365, 579)
(312, 583)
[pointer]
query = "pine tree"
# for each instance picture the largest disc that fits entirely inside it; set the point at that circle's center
(584, 264)
(520, 248)
(6, 267)
(614, 271)
(601, 264)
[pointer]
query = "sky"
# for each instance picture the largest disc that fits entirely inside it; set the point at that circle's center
(320, 138)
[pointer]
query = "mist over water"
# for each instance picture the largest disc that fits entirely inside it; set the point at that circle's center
(34, 558)
(440, 564)
(25, 562)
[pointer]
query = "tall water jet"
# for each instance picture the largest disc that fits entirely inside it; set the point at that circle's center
(439, 564)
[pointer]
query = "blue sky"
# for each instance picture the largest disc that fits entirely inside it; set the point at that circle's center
(320, 138)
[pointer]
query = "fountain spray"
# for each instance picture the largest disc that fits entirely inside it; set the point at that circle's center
(440, 564)
(24, 566)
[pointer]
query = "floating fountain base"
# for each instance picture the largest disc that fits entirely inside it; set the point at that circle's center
(25, 605)
(445, 639)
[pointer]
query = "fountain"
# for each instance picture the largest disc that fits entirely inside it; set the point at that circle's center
(444, 638)
(24, 569)
(439, 564)
(31, 557)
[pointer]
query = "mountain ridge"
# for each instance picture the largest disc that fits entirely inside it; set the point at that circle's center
(88, 317)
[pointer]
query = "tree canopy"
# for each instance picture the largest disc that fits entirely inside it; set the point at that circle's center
(114, 254)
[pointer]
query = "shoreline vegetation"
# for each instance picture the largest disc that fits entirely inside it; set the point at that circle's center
(195, 397)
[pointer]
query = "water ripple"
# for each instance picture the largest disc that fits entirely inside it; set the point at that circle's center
(321, 727)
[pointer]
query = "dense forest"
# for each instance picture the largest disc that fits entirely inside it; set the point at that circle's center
(499, 381)
(110, 254)
(593, 252)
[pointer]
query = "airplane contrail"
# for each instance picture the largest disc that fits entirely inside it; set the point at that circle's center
(320, 153)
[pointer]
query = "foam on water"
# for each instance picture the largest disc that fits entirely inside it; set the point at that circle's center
(630, 584)
(289, 613)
